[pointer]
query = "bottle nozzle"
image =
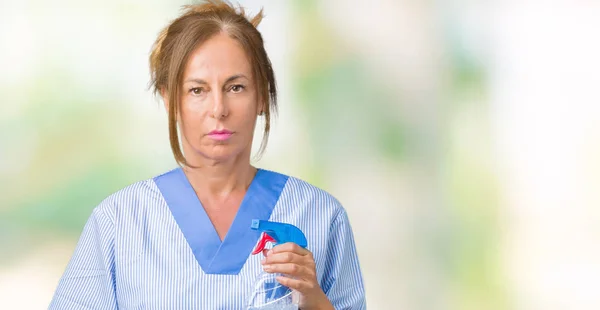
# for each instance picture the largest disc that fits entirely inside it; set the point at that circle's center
(278, 233)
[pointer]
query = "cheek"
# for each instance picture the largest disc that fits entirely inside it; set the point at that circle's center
(249, 107)
(191, 108)
(247, 117)
(191, 117)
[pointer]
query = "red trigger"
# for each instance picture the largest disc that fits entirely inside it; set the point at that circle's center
(262, 243)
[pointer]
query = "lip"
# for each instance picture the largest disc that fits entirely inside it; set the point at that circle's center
(220, 135)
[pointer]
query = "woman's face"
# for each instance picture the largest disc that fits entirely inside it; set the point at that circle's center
(219, 103)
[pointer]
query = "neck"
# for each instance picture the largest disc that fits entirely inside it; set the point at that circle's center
(219, 179)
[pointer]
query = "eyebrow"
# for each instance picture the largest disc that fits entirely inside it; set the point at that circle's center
(229, 79)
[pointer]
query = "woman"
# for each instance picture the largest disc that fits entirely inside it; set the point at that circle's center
(182, 240)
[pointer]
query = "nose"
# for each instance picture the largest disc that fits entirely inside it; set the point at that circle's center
(219, 107)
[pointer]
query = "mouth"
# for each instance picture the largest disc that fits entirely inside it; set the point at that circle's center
(220, 135)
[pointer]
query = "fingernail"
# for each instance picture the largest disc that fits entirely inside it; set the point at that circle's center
(262, 261)
(267, 267)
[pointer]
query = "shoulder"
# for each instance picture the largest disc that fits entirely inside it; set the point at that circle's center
(141, 194)
(301, 192)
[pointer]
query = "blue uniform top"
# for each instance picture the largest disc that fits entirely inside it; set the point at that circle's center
(152, 246)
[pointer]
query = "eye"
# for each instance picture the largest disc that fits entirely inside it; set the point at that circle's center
(237, 88)
(196, 91)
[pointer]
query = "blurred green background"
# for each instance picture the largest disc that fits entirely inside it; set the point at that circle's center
(462, 137)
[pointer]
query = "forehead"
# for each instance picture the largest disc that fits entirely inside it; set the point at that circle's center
(218, 57)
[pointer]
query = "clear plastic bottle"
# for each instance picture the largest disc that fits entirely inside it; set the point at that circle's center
(268, 293)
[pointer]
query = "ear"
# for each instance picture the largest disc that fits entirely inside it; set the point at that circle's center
(164, 95)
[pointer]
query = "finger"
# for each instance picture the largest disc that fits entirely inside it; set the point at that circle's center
(293, 270)
(290, 247)
(299, 285)
(287, 257)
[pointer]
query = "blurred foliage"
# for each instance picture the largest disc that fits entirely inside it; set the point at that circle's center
(60, 128)
(471, 187)
(343, 104)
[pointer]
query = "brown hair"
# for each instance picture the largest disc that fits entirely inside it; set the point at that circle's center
(179, 39)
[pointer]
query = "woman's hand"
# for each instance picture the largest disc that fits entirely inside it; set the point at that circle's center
(299, 265)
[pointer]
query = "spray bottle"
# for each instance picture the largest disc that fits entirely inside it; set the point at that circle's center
(268, 293)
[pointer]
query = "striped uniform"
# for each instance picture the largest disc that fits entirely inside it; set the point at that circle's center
(152, 246)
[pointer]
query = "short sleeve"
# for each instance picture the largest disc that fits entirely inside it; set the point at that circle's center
(342, 278)
(89, 281)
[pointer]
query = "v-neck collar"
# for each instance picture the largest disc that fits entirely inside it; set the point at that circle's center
(213, 255)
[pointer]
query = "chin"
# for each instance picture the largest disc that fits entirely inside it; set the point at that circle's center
(221, 152)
